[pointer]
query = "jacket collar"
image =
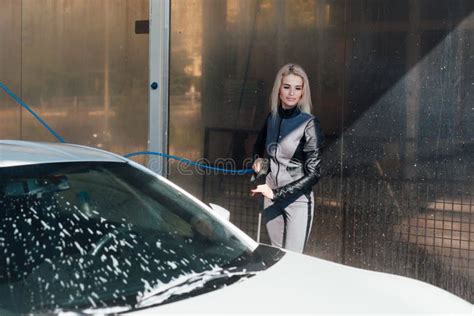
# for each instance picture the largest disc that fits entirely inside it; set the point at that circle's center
(288, 113)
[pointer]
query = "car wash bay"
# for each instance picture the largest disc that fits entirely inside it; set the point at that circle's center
(391, 84)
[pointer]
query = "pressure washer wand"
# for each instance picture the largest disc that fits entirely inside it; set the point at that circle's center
(257, 178)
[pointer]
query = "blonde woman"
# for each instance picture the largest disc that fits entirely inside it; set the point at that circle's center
(291, 140)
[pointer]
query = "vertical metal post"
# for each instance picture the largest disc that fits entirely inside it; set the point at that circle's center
(412, 90)
(344, 207)
(159, 83)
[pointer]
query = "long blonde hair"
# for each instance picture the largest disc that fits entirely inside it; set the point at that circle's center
(305, 103)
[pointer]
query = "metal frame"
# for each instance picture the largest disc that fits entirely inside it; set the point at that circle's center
(159, 83)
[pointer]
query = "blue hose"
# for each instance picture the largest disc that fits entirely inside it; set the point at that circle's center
(19, 101)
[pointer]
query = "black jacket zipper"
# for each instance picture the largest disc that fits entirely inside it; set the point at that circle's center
(276, 152)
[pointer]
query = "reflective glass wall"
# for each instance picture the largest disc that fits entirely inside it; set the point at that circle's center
(391, 82)
(10, 67)
(81, 66)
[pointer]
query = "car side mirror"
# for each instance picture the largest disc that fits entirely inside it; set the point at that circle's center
(222, 212)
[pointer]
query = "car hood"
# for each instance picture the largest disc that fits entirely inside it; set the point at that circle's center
(303, 284)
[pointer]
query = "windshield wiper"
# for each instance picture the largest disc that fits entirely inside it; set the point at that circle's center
(188, 285)
(182, 287)
(112, 310)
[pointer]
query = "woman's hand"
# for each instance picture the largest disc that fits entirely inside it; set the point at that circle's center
(257, 165)
(263, 189)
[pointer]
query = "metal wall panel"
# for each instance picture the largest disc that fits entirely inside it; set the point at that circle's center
(83, 69)
(10, 67)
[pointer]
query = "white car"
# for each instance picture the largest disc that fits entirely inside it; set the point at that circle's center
(85, 231)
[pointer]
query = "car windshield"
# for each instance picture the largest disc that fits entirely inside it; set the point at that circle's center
(78, 236)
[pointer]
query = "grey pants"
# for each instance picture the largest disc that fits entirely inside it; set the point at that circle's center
(289, 223)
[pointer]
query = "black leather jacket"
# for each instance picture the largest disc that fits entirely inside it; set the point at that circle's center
(292, 141)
